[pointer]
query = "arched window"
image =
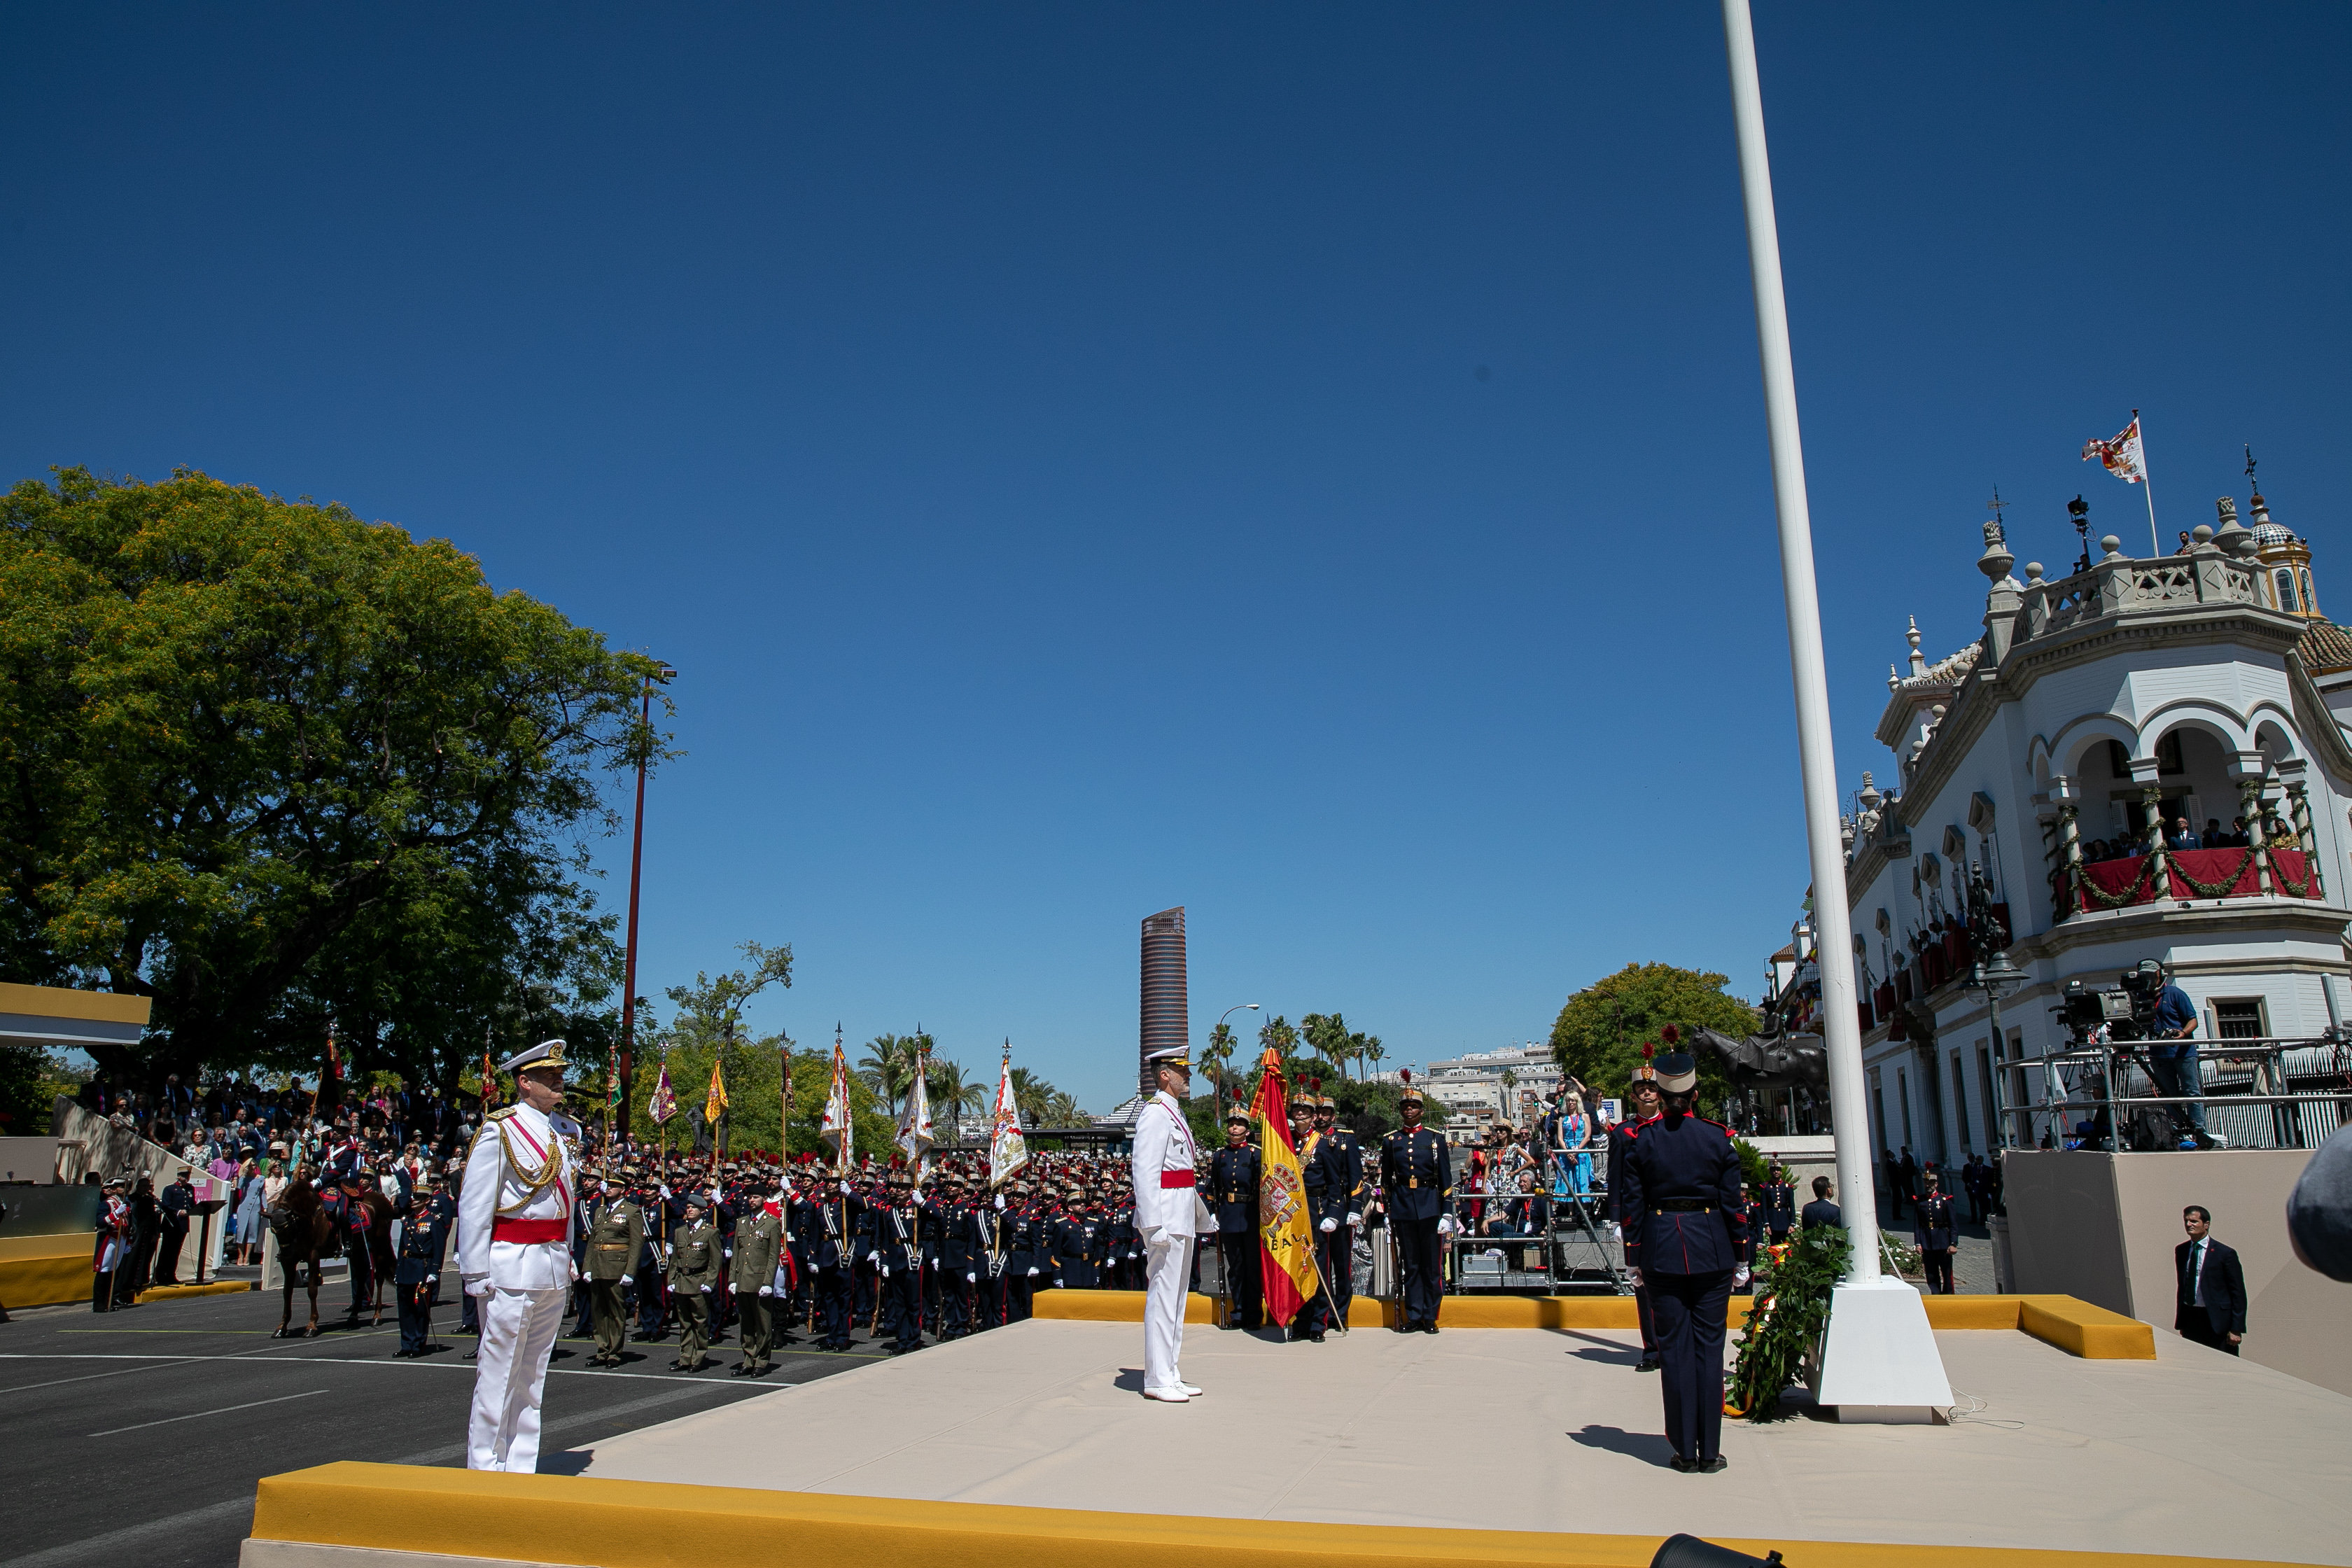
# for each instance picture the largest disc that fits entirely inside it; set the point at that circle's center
(2284, 581)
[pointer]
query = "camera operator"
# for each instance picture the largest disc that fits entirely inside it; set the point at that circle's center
(2172, 1060)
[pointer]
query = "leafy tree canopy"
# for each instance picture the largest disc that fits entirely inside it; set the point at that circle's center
(1598, 1035)
(276, 768)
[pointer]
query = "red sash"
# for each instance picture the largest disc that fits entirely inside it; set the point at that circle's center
(1176, 1179)
(530, 1230)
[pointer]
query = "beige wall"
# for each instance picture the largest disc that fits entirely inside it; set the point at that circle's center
(2103, 1226)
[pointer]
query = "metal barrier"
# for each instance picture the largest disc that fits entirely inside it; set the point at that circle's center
(2263, 1093)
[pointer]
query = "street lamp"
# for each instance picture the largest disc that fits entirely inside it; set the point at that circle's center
(1996, 976)
(664, 674)
(1216, 1079)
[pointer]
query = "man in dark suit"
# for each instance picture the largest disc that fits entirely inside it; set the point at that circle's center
(1821, 1211)
(2211, 1298)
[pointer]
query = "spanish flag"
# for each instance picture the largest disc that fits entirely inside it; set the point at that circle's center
(1285, 1232)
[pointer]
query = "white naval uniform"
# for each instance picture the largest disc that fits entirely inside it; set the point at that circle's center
(1163, 1217)
(520, 1287)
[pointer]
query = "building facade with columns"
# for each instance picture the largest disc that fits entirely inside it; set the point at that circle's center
(2050, 765)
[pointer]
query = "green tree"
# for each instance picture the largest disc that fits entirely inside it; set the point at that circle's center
(275, 766)
(953, 1095)
(1599, 1033)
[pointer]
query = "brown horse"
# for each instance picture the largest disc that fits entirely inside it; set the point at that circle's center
(305, 1232)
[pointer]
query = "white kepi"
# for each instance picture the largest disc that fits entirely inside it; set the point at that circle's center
(515, 1213)
(1165, 1203)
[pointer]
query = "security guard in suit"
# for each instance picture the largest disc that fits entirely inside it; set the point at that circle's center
(1642, 1099)
(1688, 1241)
(759, 1253)
(1417, 1186)
(1233, 1199)
(693, 1275)
(424, 1241)
(614, 1243)
(1336, 1250)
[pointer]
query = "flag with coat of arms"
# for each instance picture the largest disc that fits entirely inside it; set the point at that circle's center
(1007, 1150)
(837, 1129)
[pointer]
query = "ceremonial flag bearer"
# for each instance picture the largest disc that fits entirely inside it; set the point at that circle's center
(516, 1214)
(1162, 1169)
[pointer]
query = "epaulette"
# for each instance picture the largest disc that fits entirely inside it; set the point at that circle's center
(502, 1112)
(1722, 1127)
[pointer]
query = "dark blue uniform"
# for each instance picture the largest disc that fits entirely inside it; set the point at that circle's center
(1931, 1233)
(1337, 1252)
(1619, 1137)
(1686, 1230)
(1233, 1199)
(423, 1240)
(1416, 1184)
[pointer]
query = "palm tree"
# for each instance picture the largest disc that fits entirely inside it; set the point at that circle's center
(888, 1067)
(1032, 1096)
(954, 1093)
(1372, 1054)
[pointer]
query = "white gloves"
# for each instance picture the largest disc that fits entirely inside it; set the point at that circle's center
(844, 1189)
(1033, 1273)
(1445, 1226)
(1739, 1277)
(972, 1279)
(767, 1289)
(706, 1290)
(1327, 1227)
(1633, 1278)
(477, 1285)
(730, 1288)
(885, 1271)
(1000, 1200)
(1354, 1221)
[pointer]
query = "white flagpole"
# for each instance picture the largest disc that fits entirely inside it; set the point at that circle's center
(2154, 546)
(1832, 921)
(1879, 1360)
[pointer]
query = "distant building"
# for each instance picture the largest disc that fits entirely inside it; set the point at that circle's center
(1471, 1085)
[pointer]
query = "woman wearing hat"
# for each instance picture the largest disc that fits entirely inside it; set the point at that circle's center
(1686, 1241)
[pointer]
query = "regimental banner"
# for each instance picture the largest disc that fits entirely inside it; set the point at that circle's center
(838, 1128)
(664, 1104)
(714, 1104)
(1285, 1230)
(915, 1124)
(2122, 457)
(1007, 1150)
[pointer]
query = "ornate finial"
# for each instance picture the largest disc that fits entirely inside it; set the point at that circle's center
(1996, 561)
(2000, 510)
(2254, 482)
(1918, 660)
(1894, 681)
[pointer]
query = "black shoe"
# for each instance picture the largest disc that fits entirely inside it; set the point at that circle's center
(1712, 1466)
(1648, 1363)
(1429, 1328)
(678, 1365)
(1686, 1467)
(1316, 1339)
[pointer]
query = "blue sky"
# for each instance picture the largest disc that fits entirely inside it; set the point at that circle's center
(1303, 463)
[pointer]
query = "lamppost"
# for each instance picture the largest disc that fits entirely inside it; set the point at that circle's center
(1996, 976)
(664, 675)
(1217, 1078)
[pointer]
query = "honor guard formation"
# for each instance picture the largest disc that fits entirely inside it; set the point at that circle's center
(630, 1245)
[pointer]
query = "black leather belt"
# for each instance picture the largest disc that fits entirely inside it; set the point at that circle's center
(1682, 1206)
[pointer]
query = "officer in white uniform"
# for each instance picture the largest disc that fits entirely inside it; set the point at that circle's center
(1165, 1203)
(516, 1214)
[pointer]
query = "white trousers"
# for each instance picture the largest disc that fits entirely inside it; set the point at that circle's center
(1167, 1263)
(519, 1329)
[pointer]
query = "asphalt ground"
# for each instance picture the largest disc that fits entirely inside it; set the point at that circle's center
(139, 1435)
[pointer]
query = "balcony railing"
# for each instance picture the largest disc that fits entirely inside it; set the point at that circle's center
(2262, 1093)
(2119, 585)
(2188, 874)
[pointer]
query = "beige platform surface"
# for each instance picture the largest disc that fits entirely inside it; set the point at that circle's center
(2194, 1454)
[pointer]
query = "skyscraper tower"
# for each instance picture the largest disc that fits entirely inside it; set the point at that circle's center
(1165, 1018)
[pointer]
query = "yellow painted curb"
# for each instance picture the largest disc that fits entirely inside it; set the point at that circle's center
(209, 1288)
(579, 1519)
(2074, 1326)
(45, 1281)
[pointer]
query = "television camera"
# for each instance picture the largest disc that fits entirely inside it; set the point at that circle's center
(2126, 1011)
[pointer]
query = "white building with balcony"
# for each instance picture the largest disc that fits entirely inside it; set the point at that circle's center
(1472, 1087)
(2059, 751)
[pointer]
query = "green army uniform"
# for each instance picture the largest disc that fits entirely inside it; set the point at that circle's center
(618, 1236)
(759, 1247)
(693, 1269)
